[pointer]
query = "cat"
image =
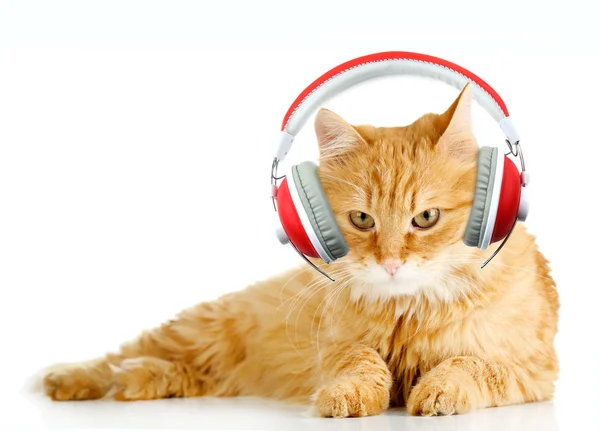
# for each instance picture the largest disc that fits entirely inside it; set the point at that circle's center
(411, 320)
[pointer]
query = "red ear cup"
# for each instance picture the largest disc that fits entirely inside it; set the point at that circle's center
(288, 214)
(508, 204)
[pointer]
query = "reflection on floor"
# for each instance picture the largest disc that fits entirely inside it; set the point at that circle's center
(254, 414)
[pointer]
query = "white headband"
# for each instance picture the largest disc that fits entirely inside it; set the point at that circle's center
(381, 64)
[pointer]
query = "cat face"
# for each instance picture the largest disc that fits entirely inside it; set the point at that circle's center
(402, 197)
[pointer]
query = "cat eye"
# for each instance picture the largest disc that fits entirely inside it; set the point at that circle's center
(361, 220)
(426, 219)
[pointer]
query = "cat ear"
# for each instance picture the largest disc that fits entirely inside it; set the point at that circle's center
(458, 139)
(334, 134)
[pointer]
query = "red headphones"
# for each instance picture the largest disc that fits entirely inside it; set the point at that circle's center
(305, 219)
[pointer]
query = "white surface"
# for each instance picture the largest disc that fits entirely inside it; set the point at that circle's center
(256, 414)
(394, 68)
(120, 192)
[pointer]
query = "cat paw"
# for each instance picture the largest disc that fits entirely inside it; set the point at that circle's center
(351, 398)
(75, 382)
(441, 395)
(142, 378)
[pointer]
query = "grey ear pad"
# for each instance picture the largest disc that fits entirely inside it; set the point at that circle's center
(486, 171)
(318, 210)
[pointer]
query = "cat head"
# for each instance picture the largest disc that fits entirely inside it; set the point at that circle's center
(402, 197)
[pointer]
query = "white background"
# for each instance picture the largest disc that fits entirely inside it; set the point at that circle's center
(135, 145)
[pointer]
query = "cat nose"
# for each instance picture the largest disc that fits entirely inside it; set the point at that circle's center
(391, 267)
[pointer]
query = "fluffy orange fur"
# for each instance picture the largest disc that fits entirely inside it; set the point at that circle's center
(441, 337)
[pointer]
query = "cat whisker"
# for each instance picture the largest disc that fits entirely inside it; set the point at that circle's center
(302, 307)
(324, 299)
(330, 295)
(323, 283)
(477, 261)
(348, 301)
(287, 332)
(286, 283)
(521, 269)
(307, 288)
(296, 298)
(464, 288)
(305, 291)
(339, 290)
(338, 297)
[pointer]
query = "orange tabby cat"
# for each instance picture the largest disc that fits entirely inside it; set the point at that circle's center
(411, 319)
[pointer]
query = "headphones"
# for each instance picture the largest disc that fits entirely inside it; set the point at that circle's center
(305, 218)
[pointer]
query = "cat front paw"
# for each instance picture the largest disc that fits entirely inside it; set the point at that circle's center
(351, 397)
(143, 378)
(76, 382)
(442, 394)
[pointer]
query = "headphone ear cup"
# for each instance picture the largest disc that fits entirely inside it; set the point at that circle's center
(509, 202)
(291, 224)
(490, 168)
(321, 225)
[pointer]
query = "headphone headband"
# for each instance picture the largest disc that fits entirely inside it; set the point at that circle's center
(381, 64)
